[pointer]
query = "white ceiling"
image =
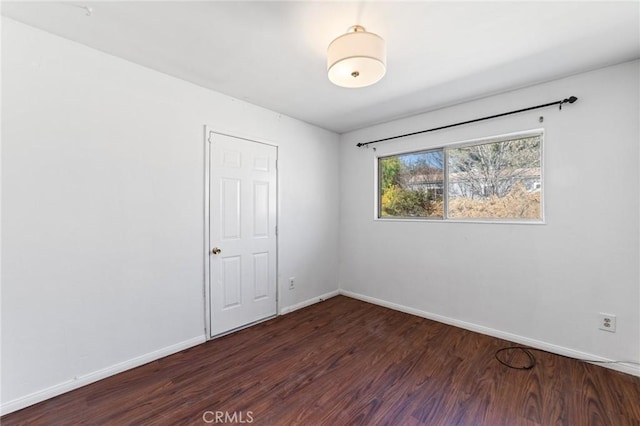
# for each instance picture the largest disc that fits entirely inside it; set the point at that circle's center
(273, 53)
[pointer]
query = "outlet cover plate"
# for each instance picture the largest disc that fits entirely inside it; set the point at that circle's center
(607, 322)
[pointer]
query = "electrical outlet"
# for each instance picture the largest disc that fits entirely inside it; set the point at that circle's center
(607, 322)
(292, 283)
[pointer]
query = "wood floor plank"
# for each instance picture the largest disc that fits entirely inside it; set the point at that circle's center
(346, 362)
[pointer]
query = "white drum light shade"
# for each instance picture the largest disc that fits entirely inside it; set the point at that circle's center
(357, 58)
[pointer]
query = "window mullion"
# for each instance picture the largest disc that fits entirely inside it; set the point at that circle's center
(445, 181)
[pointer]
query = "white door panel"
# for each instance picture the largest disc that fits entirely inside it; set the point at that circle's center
(242, 224)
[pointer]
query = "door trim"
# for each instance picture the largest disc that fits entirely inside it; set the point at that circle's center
(208, 132)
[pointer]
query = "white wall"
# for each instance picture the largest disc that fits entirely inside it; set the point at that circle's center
(102, 211)
(539, 284)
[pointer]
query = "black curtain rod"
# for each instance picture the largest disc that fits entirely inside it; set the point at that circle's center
(569, 100)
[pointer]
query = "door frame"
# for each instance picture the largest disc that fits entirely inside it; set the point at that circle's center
(208, 132)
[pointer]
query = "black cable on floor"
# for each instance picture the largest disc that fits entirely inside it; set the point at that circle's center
(532, 359)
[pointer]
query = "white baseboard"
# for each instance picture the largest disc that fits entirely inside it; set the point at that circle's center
(34, 398)
(560, 350)
(309, 302)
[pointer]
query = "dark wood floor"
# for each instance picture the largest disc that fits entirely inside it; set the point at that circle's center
(344, 362)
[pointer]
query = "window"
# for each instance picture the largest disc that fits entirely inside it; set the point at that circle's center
(492, 179)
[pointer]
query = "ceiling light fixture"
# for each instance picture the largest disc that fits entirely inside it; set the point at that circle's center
(357, 58)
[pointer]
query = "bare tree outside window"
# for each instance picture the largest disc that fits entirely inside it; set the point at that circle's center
(495, 180)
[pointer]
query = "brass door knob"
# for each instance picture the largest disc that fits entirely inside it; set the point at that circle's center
(216, 250)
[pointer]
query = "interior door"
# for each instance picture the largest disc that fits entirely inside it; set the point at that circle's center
(242, 232)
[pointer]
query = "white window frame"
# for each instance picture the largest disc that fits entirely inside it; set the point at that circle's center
(461, 144)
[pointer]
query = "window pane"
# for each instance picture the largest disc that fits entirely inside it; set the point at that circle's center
(411, 185)
(495, 180)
